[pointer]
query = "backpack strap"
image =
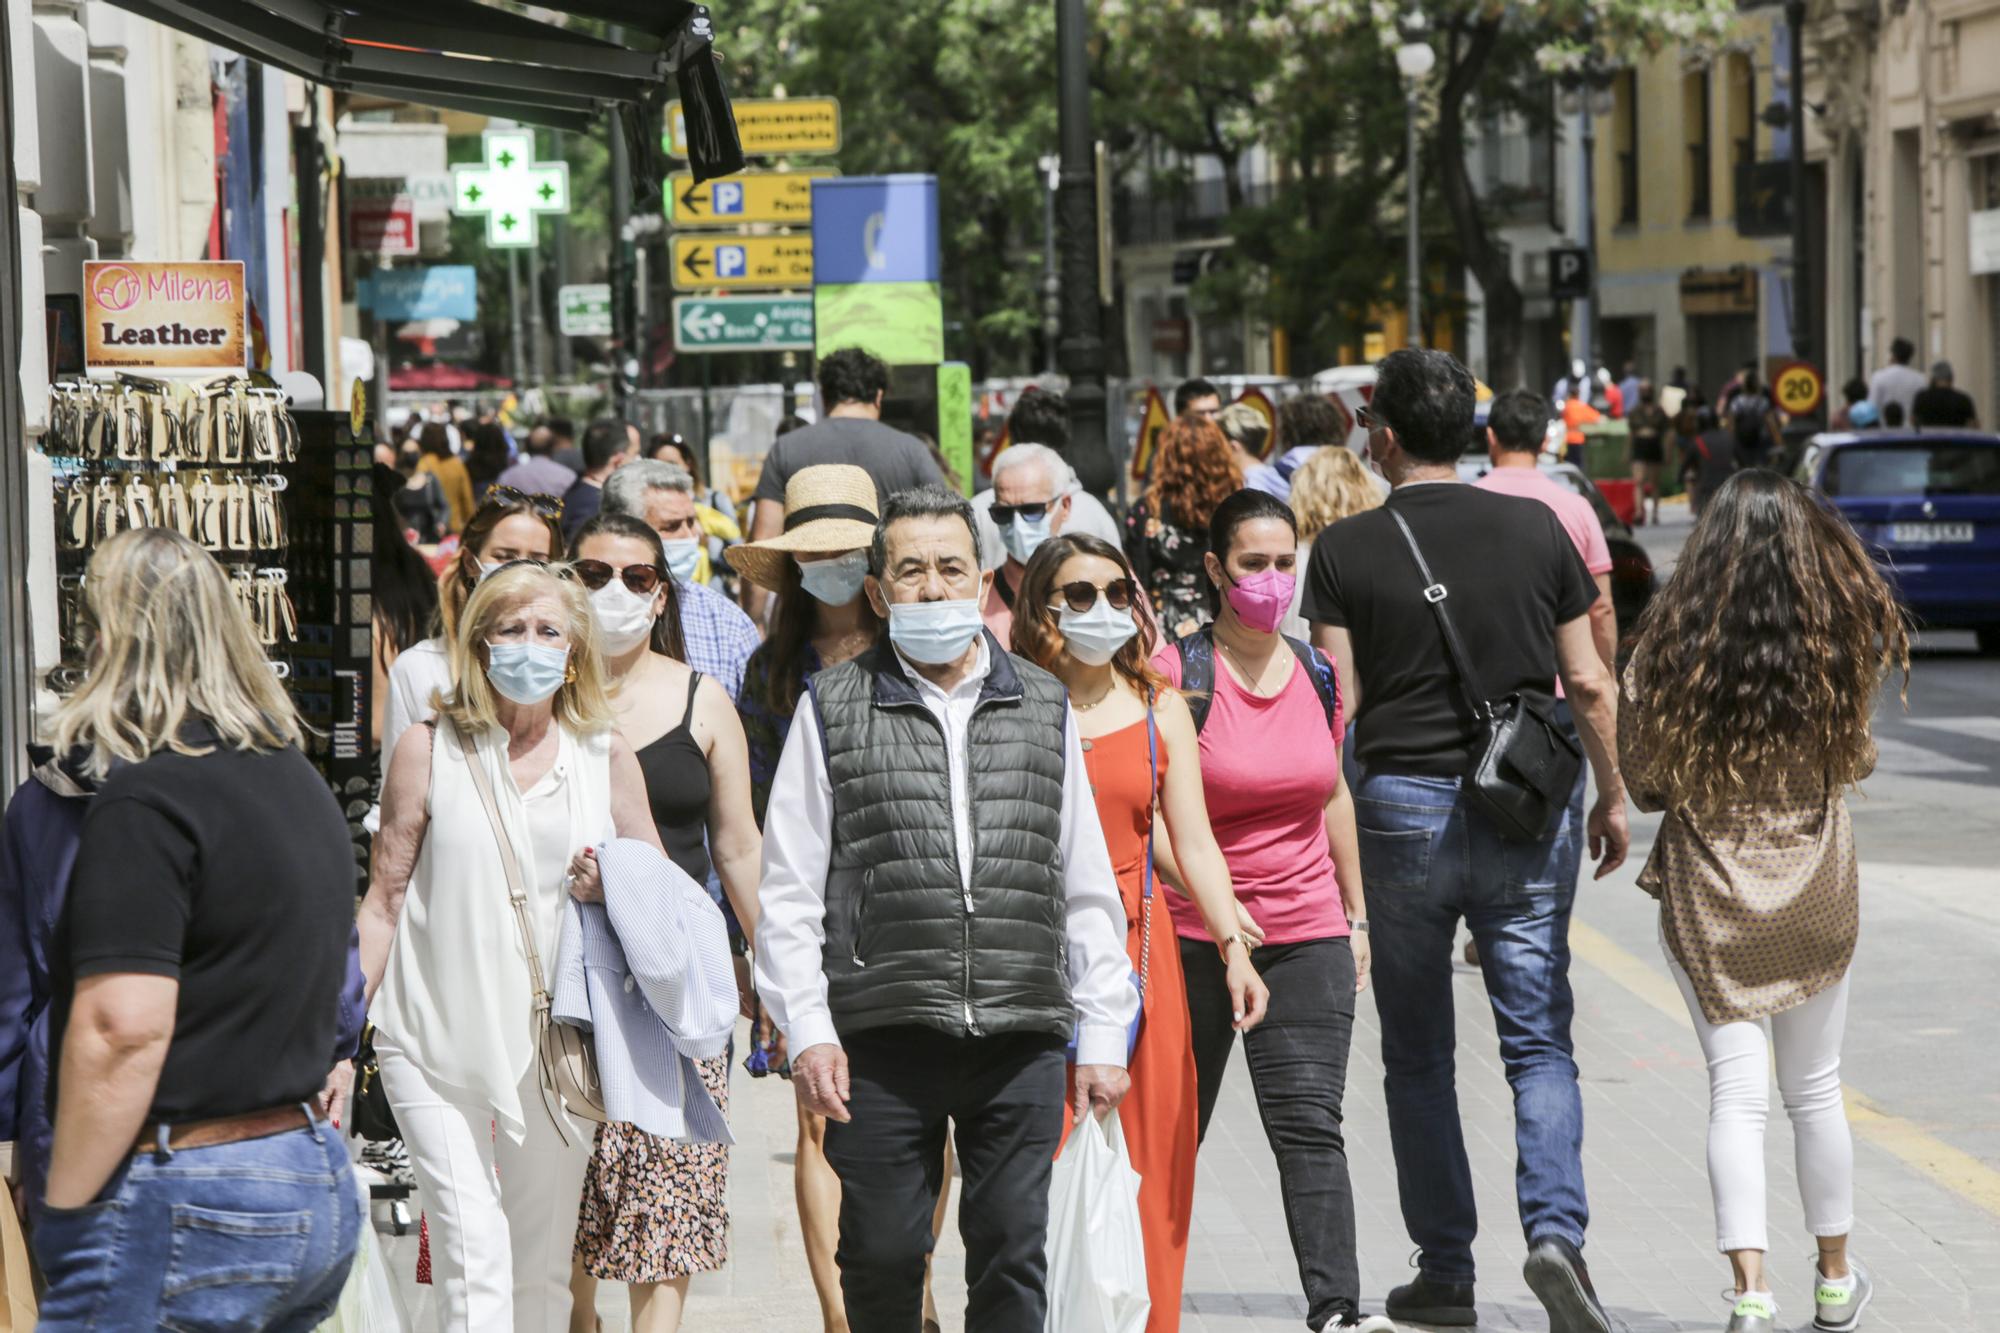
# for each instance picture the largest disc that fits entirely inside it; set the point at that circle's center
(1320, 672)
(1197, 652)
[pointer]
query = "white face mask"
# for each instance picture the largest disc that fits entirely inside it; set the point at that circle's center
(837, 581)
(1094, 637)
(624, 616)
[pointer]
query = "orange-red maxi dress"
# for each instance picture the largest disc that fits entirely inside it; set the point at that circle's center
(1158, 1115)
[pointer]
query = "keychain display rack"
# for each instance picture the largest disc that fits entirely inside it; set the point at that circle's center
(282, 499)
(208, 460)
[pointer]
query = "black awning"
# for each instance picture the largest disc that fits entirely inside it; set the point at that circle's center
(470, 56)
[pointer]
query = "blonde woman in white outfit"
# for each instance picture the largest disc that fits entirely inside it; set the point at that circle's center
(454, 1011)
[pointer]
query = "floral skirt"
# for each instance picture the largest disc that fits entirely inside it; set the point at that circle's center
(654, 1209)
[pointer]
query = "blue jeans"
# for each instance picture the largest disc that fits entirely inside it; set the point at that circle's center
(251, 1235)
(1426, 861)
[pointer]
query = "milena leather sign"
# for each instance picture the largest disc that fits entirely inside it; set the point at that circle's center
(163, 317)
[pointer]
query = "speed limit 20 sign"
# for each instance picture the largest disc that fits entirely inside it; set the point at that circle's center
(1799, 388)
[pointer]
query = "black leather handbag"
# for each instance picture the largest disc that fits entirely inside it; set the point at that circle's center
(1524, 764)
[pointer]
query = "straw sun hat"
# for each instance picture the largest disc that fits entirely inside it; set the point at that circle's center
(828, 509)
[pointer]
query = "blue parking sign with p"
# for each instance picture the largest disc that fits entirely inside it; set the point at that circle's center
(727, 196)
(731, 261)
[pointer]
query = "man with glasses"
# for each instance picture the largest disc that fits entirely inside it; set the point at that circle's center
(1030, 505)
(929, 966)
(719, 636)
(1042, 417)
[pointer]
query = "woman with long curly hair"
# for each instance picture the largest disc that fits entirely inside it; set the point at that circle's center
(1746, 718)
(1166, 530)
(1078, 615)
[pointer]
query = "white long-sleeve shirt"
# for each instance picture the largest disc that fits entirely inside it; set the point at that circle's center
(798, 849)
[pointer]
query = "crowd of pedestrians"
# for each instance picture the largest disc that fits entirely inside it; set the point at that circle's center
(989, 817)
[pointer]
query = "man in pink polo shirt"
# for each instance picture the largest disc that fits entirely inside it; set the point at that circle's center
(1516, 425)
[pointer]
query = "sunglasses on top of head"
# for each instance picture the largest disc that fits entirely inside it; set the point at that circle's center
(643, 580)
(1082, 595)
(1005, 514)
(548, 506)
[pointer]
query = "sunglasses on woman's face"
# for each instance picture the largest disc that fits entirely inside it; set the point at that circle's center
(643, 580)
(1082, 595)
(548, 506)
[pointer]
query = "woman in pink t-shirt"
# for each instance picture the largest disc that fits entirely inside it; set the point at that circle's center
(1269, 714)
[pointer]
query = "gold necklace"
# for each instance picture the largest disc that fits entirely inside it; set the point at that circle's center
(1253, 680)
(1081, 707)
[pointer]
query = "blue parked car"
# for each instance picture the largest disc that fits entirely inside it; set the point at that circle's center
(1927, 505)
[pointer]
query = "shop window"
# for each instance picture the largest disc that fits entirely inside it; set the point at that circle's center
(1740, 82)
(1696, 116)
(1625, 127)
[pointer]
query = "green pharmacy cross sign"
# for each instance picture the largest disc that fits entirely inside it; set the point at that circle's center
(510, 189)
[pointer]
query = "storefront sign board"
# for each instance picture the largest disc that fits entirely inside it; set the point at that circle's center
(443, 291)
(164, 318)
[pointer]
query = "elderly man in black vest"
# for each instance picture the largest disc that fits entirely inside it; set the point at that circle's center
(939, 918)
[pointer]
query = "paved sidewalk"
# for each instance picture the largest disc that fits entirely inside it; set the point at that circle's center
(1935, 1254)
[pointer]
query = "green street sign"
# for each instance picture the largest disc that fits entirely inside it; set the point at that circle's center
(743, 323)
(584, 310)
(510, 190)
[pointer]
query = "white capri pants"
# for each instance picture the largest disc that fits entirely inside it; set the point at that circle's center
(502, 1214)
(1807, 1041)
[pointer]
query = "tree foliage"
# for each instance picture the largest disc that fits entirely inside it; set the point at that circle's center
(1314, 83)
(963, 89)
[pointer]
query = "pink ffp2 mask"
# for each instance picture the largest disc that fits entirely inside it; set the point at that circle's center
(1262, 599)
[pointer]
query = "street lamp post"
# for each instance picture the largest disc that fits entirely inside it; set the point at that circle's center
(1081, 350)
(1051, 169)
(1414, 59)
(1588, 95)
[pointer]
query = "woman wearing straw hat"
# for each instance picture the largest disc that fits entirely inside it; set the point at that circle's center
(816, 567)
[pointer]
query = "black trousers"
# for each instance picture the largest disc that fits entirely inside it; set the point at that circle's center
(1004, 1096)
(1298, 1066)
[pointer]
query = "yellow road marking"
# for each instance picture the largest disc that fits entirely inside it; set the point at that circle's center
(1955, 1170)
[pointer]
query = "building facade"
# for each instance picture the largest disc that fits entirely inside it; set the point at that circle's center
(1693, 263)
(1908, 143)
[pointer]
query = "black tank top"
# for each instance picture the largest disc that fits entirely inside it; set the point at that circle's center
(677, 789)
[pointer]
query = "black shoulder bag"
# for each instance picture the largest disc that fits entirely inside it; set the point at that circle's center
(1523, 765)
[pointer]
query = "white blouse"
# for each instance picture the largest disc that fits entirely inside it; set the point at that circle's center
(455, 997)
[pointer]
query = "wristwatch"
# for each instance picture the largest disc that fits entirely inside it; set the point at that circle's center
(1359, 927)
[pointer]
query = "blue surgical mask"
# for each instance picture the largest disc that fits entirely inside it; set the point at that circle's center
(527, 673)
(837, 581)
(934, 633)
(683, 558)
(1094, 637)
(1023, 535)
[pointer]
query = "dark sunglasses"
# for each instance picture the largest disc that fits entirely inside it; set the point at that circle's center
(1082, 595)
(1005, 514)
(548, 506)
(594, 574)
(1370, 419)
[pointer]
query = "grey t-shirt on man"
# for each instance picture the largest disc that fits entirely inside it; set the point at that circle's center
(896, 461)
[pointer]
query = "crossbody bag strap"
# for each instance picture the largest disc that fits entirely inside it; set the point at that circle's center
(517, 892)
(1454, 650)
(1152, 814)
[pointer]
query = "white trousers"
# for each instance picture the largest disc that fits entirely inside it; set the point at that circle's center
(502, 1214)
(1807, 1042)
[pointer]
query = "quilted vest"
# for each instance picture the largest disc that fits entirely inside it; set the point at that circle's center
(906, 942)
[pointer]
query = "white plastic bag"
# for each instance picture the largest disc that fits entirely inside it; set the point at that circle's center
(368, 1300)
(1097, 1258)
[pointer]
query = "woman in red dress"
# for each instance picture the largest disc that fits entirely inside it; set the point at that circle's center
(1074, 616)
